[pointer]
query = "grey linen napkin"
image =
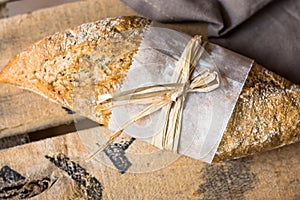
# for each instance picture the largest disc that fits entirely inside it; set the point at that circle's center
(265, 30)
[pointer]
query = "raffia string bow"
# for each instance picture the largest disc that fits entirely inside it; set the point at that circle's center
(168, 97)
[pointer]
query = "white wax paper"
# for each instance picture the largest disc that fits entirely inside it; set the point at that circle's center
(205, 115)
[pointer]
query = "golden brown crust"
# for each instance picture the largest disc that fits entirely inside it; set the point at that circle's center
(266, 116)
(51, 66)
(94, 59)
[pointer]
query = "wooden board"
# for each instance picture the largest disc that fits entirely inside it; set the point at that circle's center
(55, 169)
(22, 111)
(6, 1)
(3, 11)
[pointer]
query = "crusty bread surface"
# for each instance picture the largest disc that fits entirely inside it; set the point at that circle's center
(74, 67)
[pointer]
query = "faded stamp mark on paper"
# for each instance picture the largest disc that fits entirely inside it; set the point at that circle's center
(91, 186)
(117, 155)
(229, 180)
(15, 186)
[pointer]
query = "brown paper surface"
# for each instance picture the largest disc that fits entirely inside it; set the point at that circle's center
(270, 175)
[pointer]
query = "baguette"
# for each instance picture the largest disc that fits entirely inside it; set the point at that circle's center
(266, 115)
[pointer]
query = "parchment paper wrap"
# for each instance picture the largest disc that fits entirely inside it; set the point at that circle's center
(205, 115)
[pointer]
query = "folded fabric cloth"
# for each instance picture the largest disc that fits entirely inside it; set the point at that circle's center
(265, 30)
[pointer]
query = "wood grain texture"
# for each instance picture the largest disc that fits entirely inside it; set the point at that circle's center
(3, 11)
(6, 1)
(270, 175)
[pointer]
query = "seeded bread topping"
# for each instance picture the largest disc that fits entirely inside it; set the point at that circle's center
(266, 115)
(73, 68)
(94, 53)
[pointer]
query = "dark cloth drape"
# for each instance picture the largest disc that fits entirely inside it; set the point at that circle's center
(265, 30)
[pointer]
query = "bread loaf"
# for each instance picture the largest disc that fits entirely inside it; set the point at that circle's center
(266, 116)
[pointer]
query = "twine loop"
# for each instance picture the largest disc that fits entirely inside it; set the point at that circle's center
(168, 97)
